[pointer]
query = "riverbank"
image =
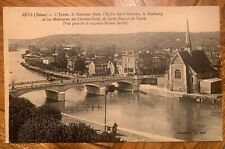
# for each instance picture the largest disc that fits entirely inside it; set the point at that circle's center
(197, 97)
(47, 72)
(126, 134)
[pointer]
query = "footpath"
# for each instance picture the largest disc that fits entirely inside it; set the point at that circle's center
(126, 134)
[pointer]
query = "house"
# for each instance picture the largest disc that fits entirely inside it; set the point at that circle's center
(214, 57)
(98, 67)
(119, 67)
(160, 63)
(111, 67)
(70, 64)
(153, 62)
(59, 50)
(33, 59)
(48, 60)
(130, 62)
(190, 67)
(136, 62)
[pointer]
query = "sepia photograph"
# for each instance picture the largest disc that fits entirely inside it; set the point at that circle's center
(115, 74)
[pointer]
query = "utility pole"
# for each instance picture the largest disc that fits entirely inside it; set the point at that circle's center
(105, 107)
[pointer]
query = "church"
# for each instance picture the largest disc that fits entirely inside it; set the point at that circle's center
(190, 71)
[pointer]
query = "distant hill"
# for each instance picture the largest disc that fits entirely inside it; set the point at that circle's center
(142, 40)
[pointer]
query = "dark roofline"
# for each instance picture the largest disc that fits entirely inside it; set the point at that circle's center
(198, 61)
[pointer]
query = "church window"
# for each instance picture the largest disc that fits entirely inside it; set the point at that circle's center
(177, 74)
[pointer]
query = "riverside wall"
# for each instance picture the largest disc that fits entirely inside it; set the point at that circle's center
(182, 96)
(47, 72)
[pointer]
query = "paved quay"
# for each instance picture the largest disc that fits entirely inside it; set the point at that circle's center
(126, 134)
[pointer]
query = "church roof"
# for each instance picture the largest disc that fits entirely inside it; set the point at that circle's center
(198, 61)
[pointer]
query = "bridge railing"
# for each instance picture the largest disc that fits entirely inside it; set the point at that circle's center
(27, 82)
(46, 83)
(36, 85)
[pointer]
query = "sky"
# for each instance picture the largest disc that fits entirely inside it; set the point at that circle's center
(173, 19)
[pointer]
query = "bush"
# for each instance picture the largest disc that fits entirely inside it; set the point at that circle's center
(107, 137)
(81, 133)
(28, 124)
(37, 130)
(43, 126)
(47, 112)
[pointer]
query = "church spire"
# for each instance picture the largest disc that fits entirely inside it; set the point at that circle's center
(187, 40)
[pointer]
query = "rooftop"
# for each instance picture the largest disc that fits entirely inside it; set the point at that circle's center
(198, 61)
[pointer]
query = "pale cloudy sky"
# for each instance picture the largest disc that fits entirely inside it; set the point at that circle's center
(201, 19)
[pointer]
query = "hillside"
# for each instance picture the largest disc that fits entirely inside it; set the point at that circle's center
(143, 40)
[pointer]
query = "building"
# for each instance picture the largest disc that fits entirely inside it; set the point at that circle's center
(70, 64)
(136, 62)
(58, 51)
(98, 67)
(111, 67)
(130, 62)
(33, 59)
(119, 67)
(48, 60)
(190, 67)
(153, 62)
(210, 86)
(214, 57)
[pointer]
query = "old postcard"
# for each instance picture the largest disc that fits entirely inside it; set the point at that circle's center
(108, 74)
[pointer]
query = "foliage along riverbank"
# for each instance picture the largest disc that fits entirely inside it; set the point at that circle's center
(30, 124)
(47, 72)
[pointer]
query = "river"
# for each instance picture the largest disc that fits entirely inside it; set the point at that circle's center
(135, 111)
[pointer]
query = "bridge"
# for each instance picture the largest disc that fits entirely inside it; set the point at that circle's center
(95, 85)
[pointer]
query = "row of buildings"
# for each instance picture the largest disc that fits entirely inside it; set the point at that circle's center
(129, 62)
(184, 70)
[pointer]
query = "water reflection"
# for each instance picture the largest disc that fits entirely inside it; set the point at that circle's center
(141, 112)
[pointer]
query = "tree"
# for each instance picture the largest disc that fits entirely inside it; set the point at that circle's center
(42, 129)
(80, 64)
(34, 50)
(60, 61)
(81, 133)
(20, 110)
(47, 112)
(44, 126)
(27, 52)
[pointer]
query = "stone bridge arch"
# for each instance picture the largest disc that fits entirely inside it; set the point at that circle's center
(127, 85)
(95, 89)
(98, 87)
